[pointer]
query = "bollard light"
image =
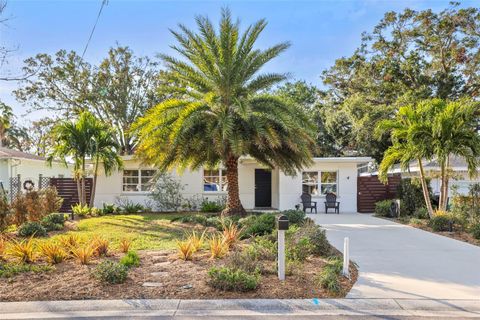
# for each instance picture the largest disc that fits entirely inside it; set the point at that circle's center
(346, 257)
(282, 225)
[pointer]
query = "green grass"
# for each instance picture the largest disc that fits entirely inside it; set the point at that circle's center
(10, 270)
(147, 231)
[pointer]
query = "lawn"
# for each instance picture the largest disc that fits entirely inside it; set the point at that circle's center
(152, 231)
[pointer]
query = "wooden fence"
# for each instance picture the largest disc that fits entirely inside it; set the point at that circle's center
(67, 190)
(370, 190)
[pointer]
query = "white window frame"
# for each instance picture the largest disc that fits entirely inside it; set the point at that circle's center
(222, 177)
(319, 182)
(139, 184)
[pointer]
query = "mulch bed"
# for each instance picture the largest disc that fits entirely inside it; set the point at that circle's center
(185, 280)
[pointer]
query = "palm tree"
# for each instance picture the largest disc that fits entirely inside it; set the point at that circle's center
(454, 133)
(6, 116)
(411, 135)
(219, 111)
(105, 150)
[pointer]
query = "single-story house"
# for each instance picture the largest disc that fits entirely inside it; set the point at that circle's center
(14, 164)
(260, 187)
(460, 179)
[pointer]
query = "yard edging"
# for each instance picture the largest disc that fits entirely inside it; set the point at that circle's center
(240, 307)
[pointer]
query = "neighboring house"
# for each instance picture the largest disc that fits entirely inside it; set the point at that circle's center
(15, 163)
(259, 187)
(460, 180)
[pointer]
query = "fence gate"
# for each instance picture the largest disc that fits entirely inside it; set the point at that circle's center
(370, 190)
(67, 190)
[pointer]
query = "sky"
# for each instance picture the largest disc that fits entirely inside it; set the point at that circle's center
(320, 31)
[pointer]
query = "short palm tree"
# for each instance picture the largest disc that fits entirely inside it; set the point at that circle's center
(454, 132)
(219, 109)
(411, 135)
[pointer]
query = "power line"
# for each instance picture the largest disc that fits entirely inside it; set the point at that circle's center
(104, 2)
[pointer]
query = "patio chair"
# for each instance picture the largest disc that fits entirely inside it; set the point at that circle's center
(331, 202)
(308, 203)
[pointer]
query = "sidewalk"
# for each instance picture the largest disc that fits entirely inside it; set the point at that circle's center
(242, 309)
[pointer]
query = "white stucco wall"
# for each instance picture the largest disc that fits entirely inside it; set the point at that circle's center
(30, 169)
(286, 190)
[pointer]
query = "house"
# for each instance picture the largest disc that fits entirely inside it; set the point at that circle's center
(16, 164)
(460, 180)
(259, 187)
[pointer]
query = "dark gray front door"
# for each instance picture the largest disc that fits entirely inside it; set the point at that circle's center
(263, 188)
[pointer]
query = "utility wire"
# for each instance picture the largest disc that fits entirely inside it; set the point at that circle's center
(104, 2)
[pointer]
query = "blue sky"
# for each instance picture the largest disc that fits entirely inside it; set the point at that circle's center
(319, 31)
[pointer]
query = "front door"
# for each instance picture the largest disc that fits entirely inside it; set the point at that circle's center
(263, 188)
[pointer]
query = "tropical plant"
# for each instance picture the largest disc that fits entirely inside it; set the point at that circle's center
(411, 135)
(218, 110)
(53, 252)
(196, 240)
(217, 246)
(185, 249)
(81, 210)
(101, 245)
(83, 254)
(3, 247)
(125, 245)
(23, 250)
(231, 233)
(69, 242)
(131, 259)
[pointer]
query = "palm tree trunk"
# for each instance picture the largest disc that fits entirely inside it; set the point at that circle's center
(441, 202)
(426, 194)
(445, 180)
(84, 197)
(94, 184)
(234, 206)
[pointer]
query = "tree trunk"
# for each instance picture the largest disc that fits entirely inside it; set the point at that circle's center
(84, 197)
(426, 195)
(94, 184)
(234, 206)
(444, 188)
(441, 201)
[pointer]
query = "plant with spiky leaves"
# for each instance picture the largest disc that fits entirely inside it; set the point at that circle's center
(219, 111)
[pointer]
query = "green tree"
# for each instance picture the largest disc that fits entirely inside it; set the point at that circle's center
(409, 56)
(411, 135)
(218, 110)
(117, 91)
(6, 118)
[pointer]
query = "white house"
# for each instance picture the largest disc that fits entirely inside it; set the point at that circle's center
(259, 187)
(15, 163)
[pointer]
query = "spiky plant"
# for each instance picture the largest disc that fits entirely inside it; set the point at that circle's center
(196, 240)
(101, 245)
(218, 246)
(185, 249)
(125, 245)
(23, 250)
(83, 254)
(219, 109)
(231, 233)
(53, 252)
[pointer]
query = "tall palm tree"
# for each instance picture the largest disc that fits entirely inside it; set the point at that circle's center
(105, 150)
(411, 135)
(455, 133)
(219, 109)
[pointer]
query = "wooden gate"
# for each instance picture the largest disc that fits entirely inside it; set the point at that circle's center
(370, 190)
(67, 190)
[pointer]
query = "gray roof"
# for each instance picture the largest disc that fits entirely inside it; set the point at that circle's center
(6, 153)
(455, 162)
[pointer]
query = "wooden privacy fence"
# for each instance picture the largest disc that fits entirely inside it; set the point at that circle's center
(67, 190)
(370, 190)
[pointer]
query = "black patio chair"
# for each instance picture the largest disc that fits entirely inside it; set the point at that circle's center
(308, 203)
(331, 202)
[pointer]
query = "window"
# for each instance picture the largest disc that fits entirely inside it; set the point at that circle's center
(327, 183)
(214, 180)
(138, 180)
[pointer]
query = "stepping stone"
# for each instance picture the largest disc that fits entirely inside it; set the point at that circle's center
(187, 286)
(162, 264)
(152, 284)
(159, 274)
(160, 259)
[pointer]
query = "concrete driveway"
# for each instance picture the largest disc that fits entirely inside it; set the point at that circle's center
(397, 261)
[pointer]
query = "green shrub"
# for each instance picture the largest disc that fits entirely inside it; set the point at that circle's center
(410, 193)
(294, 216)
(475, 231)
(130, 208)
(245, 260)
(299, 249)
(56, 218)
(32, 228)
(416, 221)
(109, 208)
(196, 218)
(131, 259)
(319, 241)
(211, 206)
(421, 213)
(230, 279)
(444, 222)
(258, 225)
(329, 278)
(110, 272)
(52, 226)
(215, 222)
(382, 208)
(9, 269)
(316, 239)
(80, 210)
(263, 249)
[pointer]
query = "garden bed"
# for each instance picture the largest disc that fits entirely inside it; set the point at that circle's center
(162, 273)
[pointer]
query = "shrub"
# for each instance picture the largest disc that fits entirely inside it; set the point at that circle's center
(53, 252)
(5, 213)
(229, 279)
(444, 221)
(69, 242)
(125, 245)
(258, 225)
(329, 276)
(231, 233)
(185, 249)
(217, 246)
(101, 246)
(474, 230)
(109, 208)
(130, 208)
(23, 250)
(244, 260)
(263, 249)
(421, 213)
(53, 222)
(211, 206)
(110, 272)
(96, 212)
(32, 228)
(294, 216)
(319, 241)
(410, 193)
(131, 259)
(80, 210)
(51, 201)
(167, 193)
(3, 247)
(300, 249)
(196, 218)
(196, 240)
(416, 221)
(9, 270)
(382, 208)
(83, 254)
